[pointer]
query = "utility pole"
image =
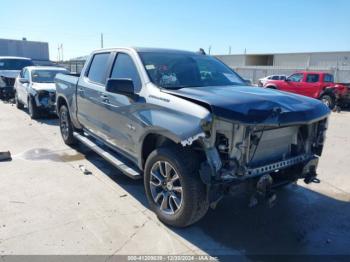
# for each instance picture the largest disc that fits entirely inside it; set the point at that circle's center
(101, 40)
(229, 50)
(245, 56)
(58, 53)
(209, 50)
(62, 52)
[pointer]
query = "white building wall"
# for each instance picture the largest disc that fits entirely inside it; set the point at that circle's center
(30, 49)
(327, 60)
(291, 60)
(232, 60)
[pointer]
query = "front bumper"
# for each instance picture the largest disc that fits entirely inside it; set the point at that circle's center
(46, 101)
(7, 92)
(279, 174)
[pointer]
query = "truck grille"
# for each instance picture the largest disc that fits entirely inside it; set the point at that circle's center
(274, 145)
(50, 96)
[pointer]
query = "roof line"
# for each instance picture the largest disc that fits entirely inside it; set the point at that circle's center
(290, 53)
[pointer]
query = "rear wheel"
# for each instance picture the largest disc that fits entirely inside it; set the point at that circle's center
(19, 104)
(33, 109)
(173, 187)
(66, 126)
(328, 101)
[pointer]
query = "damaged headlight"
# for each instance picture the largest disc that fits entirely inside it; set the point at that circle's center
(206, 125)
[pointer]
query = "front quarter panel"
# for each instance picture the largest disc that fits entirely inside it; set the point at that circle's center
(170, 116)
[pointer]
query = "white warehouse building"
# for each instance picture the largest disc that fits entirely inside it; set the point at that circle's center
(255, 66)
(38, 51)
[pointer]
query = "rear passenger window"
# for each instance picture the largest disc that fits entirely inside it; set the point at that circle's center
(328, 78)
(98, 68)
(312, 78)
(124, 67)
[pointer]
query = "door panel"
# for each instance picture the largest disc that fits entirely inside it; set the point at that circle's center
(311, 85)
(119, 121)
(90, 89)
(294, 83)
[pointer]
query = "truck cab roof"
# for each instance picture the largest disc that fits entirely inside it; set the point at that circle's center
(15, 58)
(144, 49)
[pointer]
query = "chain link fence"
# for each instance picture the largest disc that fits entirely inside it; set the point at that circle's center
(341, 74)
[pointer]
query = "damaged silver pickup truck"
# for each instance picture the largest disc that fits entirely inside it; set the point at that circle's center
(189, 126)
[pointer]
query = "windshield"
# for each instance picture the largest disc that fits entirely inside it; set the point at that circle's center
(177, 70)
(14, 64)
(46, 76)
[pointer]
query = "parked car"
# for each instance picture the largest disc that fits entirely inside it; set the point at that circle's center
(35, 88)
(10, 67)
(191, 127)
(317, 85)
(262, 81)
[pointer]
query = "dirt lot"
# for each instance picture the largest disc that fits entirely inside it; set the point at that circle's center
(48, 206)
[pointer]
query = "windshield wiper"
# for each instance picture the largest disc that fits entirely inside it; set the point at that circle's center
(175, 87)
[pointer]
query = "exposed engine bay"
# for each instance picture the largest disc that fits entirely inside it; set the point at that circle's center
(45, 99)
(264, 155)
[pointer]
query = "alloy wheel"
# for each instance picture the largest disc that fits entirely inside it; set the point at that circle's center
(166, 188)
(64, 124)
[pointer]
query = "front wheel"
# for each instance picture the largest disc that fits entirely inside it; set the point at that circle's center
(19, 104)
(66, 126)
(33, 109)
(328, 101)
(173, 187)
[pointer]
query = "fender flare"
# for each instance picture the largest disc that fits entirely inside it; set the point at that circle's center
(267, 85)
(73, 118)
(330, 91)
(190, 132)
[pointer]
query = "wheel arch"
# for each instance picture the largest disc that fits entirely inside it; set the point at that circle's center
(60, 101)
(271, 86)
(330, 91)
(150, 142)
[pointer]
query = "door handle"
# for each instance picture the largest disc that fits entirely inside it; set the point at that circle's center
(104, 98)
(80, 89)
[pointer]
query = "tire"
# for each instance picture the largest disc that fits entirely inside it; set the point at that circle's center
(33, 109)
(328, 101)
(19, 105)
(183, 207)
(66, 126)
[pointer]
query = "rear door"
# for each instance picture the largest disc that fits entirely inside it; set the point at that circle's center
(311, 85)
(90, 93)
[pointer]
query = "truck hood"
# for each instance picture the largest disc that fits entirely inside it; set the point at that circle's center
(44, 86)
(9, 73)
(253, 105)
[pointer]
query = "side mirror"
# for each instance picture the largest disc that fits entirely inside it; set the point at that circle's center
(23, 81)
(121, 86)
(287, 80)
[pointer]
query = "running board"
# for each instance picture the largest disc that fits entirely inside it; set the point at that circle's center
(109, 156)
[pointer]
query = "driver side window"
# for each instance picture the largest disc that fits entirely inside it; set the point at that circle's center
(296, 78)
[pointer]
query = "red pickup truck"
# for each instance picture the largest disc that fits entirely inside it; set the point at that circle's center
(316, 85)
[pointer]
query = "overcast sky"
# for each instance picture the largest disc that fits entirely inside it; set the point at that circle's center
(256, 25)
